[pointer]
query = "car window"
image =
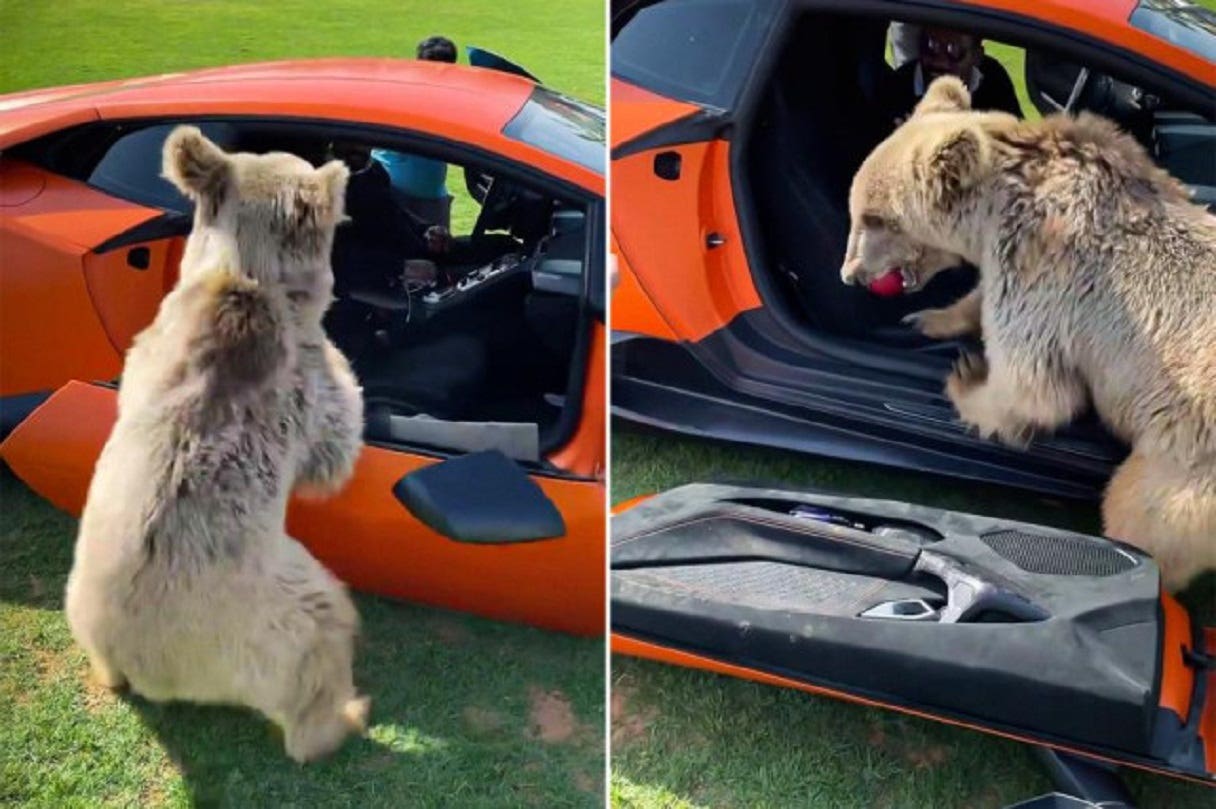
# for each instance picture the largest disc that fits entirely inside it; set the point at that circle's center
(1181, 23)
(562, 126)
(131, 167)
(692, 50)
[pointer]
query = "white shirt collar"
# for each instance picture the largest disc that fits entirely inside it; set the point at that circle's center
(918, 80)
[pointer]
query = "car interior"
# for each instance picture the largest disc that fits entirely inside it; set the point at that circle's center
(831, 123)
(465, 340)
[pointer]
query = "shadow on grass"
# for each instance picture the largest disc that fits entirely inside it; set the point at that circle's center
(465, 711)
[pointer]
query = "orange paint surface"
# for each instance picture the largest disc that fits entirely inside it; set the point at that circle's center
(585, 453)
(1177, 680)
(636, 111)
(363, 534)
(661, 227)
(632, 310)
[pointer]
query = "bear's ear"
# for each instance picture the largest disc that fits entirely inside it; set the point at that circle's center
(945, 94)
(955, 163)
(198, 167)
(333, 176)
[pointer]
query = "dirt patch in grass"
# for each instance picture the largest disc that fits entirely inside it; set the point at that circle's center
(591, 784)
(629, 722)
(551, 717)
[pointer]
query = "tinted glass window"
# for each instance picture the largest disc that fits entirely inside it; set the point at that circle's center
(692, 50)
(1179, 22)
(130, 169)
(562, 126)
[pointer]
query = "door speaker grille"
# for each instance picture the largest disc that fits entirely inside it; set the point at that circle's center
(1059, 556)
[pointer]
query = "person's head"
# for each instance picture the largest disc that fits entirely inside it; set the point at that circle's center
(946, 52)
(437, 49)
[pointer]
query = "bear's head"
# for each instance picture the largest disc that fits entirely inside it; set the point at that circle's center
(271, 217)
(905, 194)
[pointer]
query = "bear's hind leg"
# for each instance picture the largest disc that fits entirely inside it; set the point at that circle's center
(1162, 507)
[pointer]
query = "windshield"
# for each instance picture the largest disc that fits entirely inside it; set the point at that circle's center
(562, 126)
(1180, 23)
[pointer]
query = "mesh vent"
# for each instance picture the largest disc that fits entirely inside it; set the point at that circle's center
(762, 584)
(1059, 556)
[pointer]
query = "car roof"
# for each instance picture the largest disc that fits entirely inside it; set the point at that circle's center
(457, 102)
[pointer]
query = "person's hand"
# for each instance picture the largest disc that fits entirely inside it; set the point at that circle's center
(438, 239)
(419, 271)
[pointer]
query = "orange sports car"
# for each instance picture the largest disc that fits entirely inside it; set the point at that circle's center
(736, 130)
(480, 348)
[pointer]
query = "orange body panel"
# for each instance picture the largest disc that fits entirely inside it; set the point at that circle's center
(127, 298)
(623, 644)
(636, 111)
(363, 534)
(49, 324)
(632, 310)
(1177, 681)
(661, 226)
(585, 452)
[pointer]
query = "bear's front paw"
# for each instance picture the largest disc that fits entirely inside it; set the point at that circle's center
(970, 371)
(940, 324)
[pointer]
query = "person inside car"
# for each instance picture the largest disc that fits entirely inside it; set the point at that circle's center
(941, 52)
(420, 183)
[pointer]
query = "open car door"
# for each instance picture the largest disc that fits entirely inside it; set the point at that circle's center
(1032, 633)
(683, 273)
(475, 533)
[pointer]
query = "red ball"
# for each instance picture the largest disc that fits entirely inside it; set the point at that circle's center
(887, 286)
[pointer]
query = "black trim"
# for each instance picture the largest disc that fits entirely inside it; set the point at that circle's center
(841, 411)
(15, 409)
(165, 226)
(1087, 779)
(696, 127)
(482, 498)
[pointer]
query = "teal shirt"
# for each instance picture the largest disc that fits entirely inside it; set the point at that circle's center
(414, 176)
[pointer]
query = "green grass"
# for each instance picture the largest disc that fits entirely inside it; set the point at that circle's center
(458, 702)
(458, 706)
(48, 44)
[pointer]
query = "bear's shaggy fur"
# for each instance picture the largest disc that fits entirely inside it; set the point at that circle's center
(184, 584)
(1097, 285)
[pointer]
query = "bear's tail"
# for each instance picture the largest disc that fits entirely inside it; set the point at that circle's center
(241, 336)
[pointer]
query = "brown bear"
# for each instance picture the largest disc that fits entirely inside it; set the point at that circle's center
(1097, 286)
(184, 583)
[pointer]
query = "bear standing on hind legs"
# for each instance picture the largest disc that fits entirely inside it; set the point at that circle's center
(184, 583)
(1097, 285)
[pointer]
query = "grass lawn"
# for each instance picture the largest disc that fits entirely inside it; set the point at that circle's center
(683, 738)
(465, 712)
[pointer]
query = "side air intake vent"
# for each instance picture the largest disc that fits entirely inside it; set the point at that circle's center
(1059, 556)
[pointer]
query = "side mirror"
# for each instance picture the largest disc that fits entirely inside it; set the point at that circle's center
(483, 497)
